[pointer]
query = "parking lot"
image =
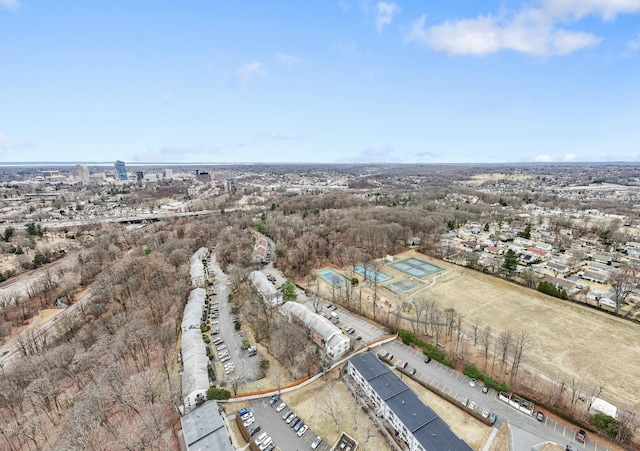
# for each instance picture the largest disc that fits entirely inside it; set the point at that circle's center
(239, 364)
(280, 432)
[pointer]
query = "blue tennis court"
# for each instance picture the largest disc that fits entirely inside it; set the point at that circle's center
(332, 277)
(379, 276)
(415, 267)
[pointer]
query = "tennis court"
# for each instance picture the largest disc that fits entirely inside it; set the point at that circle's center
(332, 277)
(380, 276)
(400, 286)
(415, 267)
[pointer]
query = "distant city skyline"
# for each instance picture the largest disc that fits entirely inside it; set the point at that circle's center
(348, 81)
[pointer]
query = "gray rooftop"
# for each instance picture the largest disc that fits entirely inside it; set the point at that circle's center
(427, 427)
(203, 429)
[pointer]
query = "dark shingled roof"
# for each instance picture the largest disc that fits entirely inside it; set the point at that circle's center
(427, 427)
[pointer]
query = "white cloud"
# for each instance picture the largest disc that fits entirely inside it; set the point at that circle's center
(543, 159)
(248, 71)
(576, 9)
(530, 31)
(565, 42)
(10, 4)
(384, 14)
(4, 142)
(569, 157)
(539, 30)
(288, 60)
(634, 44)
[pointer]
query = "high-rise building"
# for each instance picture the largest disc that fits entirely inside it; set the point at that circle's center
(139, 175)
(121, 171)
(83, 173)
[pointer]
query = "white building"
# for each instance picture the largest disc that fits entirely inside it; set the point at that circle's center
(204, 429)
(192, 317)
(196, 270)
(419, 426)
(323, 332)
(195, 373)
(269, 294)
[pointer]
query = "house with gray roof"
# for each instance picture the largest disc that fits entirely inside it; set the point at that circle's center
(322, 331)
(204, 429)
(269, 294)
(415, 422)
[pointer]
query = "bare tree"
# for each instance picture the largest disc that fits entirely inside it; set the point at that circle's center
(522, 339)
(486, 343)
(331, 406)
(622, 283)
(505, 343)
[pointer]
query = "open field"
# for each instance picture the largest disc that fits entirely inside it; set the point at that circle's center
(567, 340)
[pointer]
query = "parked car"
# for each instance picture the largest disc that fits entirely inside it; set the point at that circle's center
(302, 430)
(249, 421)
(581, 435)
(427, 359)
(472, 382)
(472, 405)
(254, 430)
(540, 416)
(265, 444)
(295, 422)
(465, 401)
(493, 418)
(261, 438)
(280, 407)
(273, 400)
(412, 371)
(286, 415)
(298, 426)
(244, 410)
(292, 417)
(485, 413)
(358, 338)
(485, 389)
(246, 415)
(570, 447)
(316, 442)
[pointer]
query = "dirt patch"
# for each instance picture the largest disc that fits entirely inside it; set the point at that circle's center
(47, 315)
(501, 440)
(320, 403)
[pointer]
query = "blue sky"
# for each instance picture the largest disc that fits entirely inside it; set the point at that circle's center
(320, 81)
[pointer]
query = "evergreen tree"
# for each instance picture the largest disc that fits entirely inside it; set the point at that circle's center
(510, 263)
(289, 291)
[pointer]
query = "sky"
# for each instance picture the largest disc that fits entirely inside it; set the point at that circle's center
(331, 81)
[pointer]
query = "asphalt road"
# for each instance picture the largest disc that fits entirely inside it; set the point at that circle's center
(526, 431)
(247, 369)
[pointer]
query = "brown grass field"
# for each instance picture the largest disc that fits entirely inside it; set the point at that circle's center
(567, 340)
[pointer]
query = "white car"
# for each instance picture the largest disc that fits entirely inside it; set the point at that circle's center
(302, 430)
(246, 416)
(280, 407)
(316, 442)
(472, 382)
(249, 421)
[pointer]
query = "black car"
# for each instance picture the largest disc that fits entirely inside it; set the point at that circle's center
(254, 430)
(427, 359)
(540, 416)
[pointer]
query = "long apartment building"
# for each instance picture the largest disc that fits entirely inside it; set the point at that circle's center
(419, 426)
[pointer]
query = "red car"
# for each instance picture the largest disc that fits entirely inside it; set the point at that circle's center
(581, 436)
